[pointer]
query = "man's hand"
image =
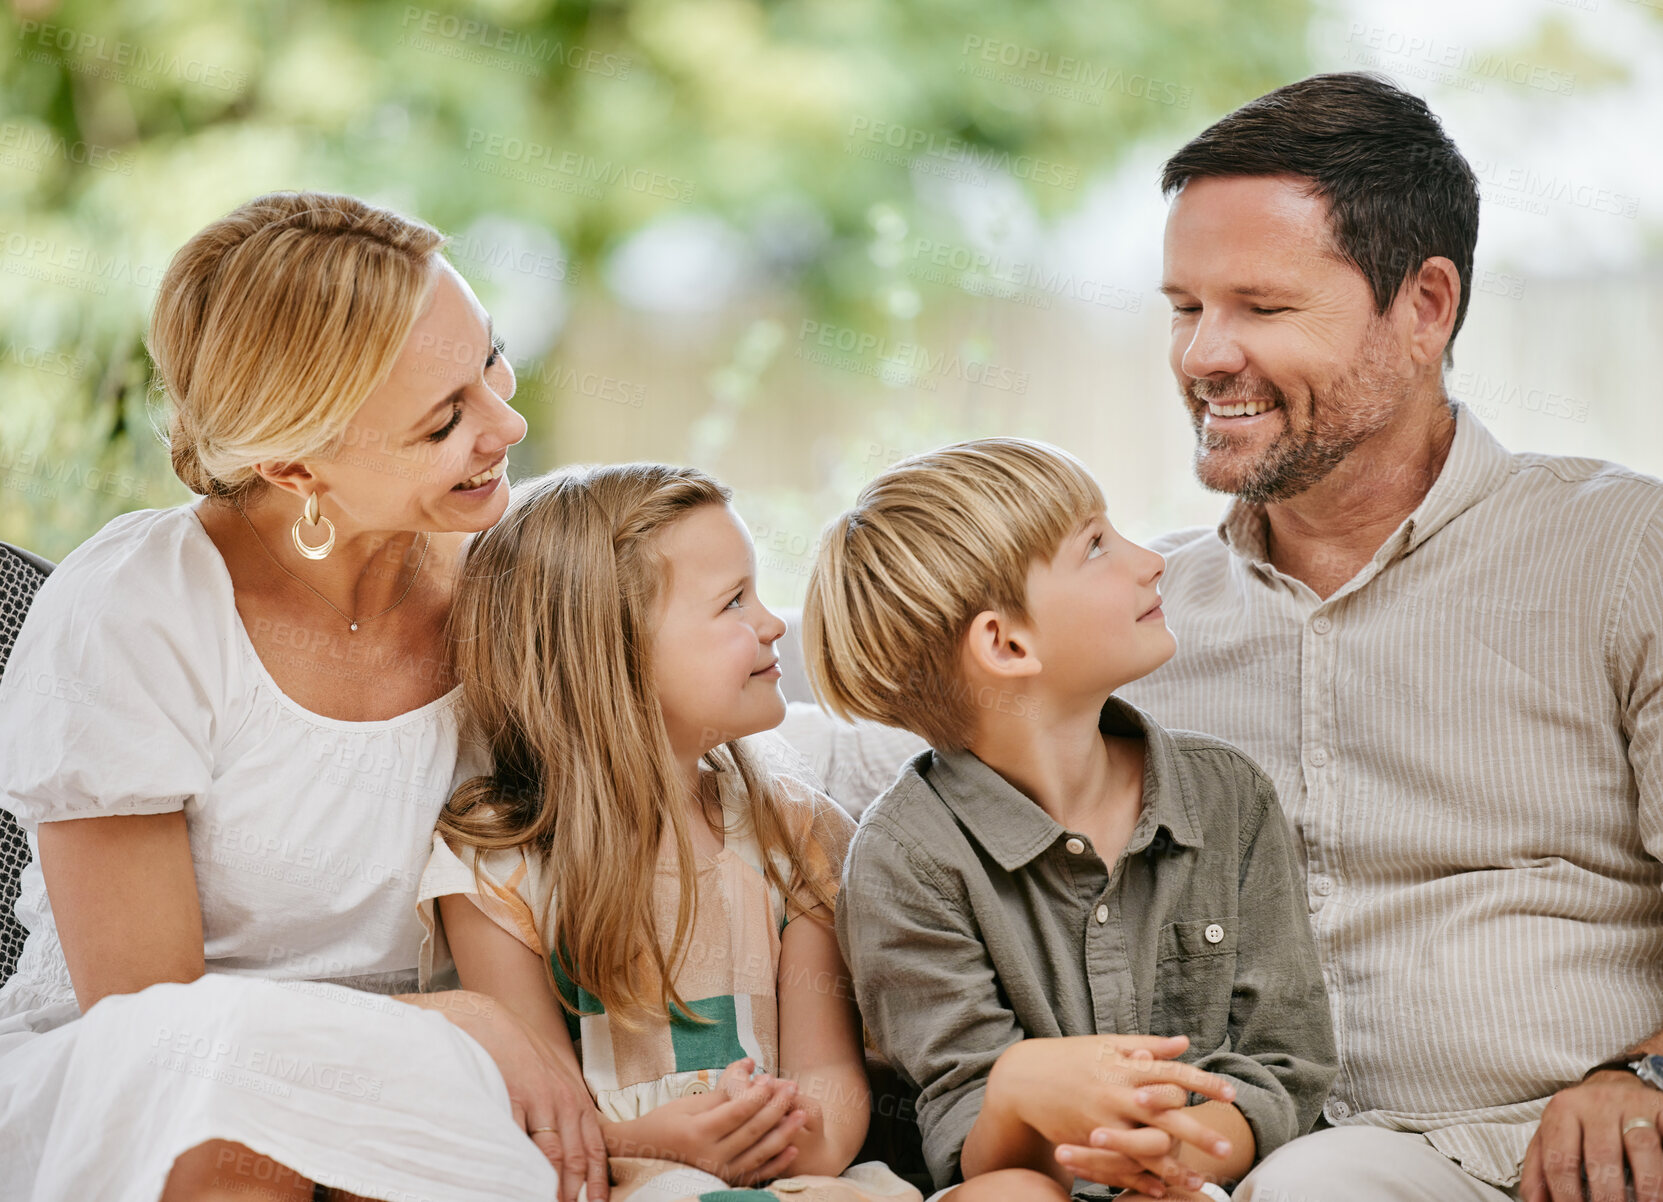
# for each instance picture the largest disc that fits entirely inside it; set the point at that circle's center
(1582, 1131)
(740, 1131)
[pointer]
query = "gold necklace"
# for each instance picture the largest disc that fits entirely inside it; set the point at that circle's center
(351, 622)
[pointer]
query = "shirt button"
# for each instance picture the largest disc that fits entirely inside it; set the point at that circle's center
(694, 1087)
(1338, 1109)
(789, 1185)
(1318, 758)
(1322, 625)
(1213, 934)
(1323, 886)
(1102, 914)
(1075, 846)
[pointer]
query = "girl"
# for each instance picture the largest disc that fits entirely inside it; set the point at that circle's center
(623, 875)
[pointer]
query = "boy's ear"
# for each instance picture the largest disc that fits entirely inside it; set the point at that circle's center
(1000, 647)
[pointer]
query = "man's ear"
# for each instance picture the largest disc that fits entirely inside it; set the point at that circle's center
(1434, 296)
(1000, 647)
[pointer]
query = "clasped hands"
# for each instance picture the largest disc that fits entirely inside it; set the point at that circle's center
(741, 1130)
(1114, 1106)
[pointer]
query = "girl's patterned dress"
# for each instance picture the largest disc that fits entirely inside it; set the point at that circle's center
(727, 975)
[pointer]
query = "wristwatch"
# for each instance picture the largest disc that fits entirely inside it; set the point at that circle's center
(1648, 1068)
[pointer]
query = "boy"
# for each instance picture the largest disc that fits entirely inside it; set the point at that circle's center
(1059, 879)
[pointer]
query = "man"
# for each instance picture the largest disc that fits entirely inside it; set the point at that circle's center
(1445, 655)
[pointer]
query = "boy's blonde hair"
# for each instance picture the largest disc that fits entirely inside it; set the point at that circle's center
(551, 632)
(932, 542)
(275, 323)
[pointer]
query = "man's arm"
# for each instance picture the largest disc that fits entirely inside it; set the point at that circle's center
(1592, 1127)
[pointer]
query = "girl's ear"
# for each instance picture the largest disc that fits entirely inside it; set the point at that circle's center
(1000, 647)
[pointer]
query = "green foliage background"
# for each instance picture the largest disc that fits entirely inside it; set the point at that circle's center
(129, 125)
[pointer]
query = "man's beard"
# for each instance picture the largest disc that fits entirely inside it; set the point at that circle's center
(1345, 415)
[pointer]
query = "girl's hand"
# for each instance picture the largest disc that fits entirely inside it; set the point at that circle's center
(740, 1131)
(550, 1101)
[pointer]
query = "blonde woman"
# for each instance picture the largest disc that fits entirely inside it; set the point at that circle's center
(232, 781)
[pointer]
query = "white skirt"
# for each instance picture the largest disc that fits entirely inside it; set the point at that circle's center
(350, 1089)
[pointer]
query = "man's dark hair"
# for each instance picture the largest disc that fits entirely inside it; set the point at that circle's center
(1398, 190)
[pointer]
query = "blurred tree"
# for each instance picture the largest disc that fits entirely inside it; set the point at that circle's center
(784, 142)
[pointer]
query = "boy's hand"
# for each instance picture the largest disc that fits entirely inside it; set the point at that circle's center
(740, 1131)
(1123, 1150)
(1116, 1087)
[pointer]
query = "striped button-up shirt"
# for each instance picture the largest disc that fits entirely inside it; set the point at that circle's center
(1467, 739)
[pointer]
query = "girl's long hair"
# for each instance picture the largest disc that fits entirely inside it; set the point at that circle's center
(551, 633)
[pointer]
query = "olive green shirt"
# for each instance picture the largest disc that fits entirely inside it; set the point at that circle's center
(971, 920)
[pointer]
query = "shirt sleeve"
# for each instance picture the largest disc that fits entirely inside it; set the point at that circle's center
(504, 885)
(109, 702)
(926, 987)
(1280, 1046)
(1638, 676)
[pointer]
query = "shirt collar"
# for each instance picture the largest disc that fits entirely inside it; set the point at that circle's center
(1014, 830)
(1477, 465)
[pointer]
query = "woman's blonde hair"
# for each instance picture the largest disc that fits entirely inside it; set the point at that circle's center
(551, 635)
(275, 323)
(930, 543)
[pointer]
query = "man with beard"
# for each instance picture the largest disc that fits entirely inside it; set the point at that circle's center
(1446, 655)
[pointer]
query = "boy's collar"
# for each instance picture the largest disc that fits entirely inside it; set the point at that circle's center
(1014, 830)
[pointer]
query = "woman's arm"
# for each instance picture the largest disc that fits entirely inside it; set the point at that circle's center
(820, 1046)
(123, 894)
(549, 1093)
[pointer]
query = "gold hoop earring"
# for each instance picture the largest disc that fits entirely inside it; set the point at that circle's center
(311, 515)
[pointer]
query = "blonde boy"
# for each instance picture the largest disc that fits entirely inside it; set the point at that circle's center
(1075, 932)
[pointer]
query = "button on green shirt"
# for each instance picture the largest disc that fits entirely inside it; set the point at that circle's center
(971, 920)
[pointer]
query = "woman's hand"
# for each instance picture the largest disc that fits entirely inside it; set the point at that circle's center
(740, 1131)
(549, 1098)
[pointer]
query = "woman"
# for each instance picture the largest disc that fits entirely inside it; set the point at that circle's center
(240, 788)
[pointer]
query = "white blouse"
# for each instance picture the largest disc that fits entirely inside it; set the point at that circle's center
(134, 689)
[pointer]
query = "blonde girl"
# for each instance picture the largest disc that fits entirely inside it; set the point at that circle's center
(624, 873)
